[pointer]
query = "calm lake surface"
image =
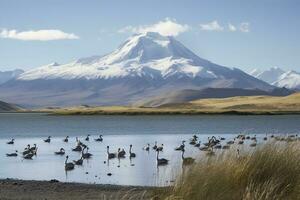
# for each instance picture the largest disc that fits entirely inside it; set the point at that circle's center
(119, 132)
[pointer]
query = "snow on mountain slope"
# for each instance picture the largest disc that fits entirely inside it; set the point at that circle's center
(290, 79)
(254, 72)
(8, 75)
(278, 77)
(270, 76)
(148, 54)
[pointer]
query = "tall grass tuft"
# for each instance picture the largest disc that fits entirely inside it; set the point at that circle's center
(270, 172)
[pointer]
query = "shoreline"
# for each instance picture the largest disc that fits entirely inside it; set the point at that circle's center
(13, 189)
(154, 112)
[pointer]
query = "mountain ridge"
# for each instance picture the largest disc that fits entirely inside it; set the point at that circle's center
(278, 77)
(7, 107)
(9, 74)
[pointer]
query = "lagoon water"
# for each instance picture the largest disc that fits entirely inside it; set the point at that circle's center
(119, 131)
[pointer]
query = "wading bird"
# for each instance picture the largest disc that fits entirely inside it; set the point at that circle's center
(87, 138)
(28, 156)
(181, 147)
(161, 161)
(100, 139)
(12, 141)
(131, 154)
(187, 160)
(34, 148)
(121, 154)
(12, 154)
(78, 148)
(48, 140)
(79, 161)
(160, 148)
(60, 152)
(147, 148)
(155, 146)
(86, 155)
(66, 139)
(110, 155)
(68, 165)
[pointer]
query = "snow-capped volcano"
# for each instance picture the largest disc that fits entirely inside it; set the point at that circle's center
(146, 65)
(148, 54)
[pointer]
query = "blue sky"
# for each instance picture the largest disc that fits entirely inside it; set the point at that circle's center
(262, 33)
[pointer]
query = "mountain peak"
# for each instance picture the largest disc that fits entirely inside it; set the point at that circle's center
(149, 46)
(153, 35)
(289, 79)
(277, 69)
(270, 75)
(8, 75)
(54, 64)
(278, 77)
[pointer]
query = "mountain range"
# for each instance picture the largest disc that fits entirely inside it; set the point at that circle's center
(278, 77)
(146, 66)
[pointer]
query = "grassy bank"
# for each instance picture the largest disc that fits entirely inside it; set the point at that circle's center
(254, 105)
(271, 172)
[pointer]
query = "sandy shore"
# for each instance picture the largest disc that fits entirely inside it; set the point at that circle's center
(11, 189)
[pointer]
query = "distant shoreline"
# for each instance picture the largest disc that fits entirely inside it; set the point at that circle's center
(153, 111)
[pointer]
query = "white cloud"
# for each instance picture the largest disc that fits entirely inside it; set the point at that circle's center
(215, 26)
(212, 26)
(127, 29)
(245, 27)
(231, 27)
(39, 35)
(167, 27)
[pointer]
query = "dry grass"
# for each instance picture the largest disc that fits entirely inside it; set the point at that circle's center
(271, 172)
(252, 103)
(235, 105)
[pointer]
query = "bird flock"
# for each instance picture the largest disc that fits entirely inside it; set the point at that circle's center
(213, 143)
